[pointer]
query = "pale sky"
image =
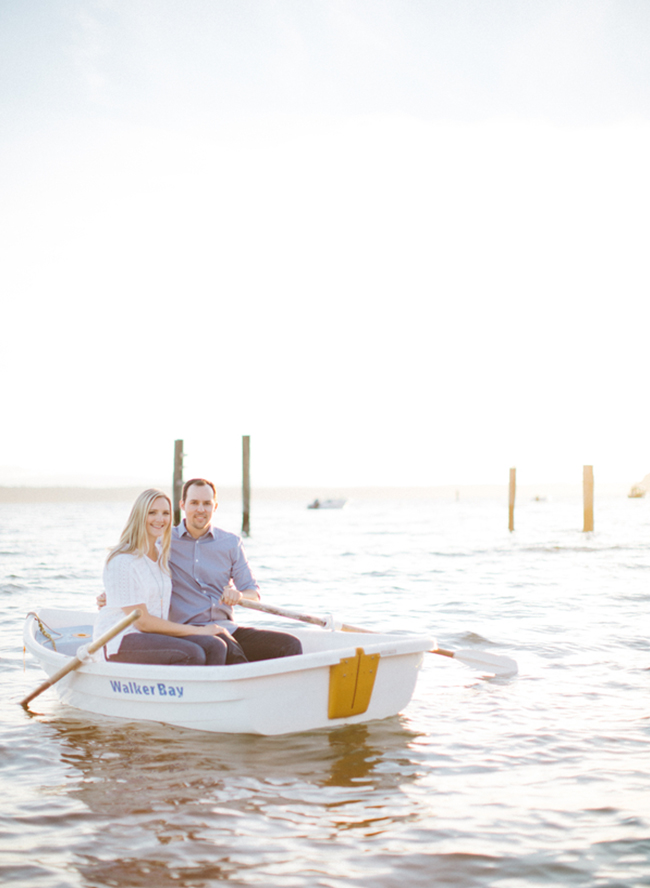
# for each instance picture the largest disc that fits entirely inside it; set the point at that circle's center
(396, 243)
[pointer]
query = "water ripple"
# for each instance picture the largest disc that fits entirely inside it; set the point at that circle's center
(534, 780)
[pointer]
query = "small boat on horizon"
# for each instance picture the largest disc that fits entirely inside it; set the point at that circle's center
(327, 504)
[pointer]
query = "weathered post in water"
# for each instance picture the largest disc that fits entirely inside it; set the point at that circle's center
(511, 499)
(177, 484)
(588, 496)
(246, 484)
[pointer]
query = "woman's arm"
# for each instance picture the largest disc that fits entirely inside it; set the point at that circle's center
(148, 623)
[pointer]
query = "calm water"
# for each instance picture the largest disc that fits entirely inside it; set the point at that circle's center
(535, 780)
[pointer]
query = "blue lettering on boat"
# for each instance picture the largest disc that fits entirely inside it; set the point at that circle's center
(159, 690)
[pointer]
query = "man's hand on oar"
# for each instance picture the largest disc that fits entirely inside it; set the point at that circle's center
(493, 663)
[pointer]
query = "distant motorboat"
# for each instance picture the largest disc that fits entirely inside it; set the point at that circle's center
(327, 504)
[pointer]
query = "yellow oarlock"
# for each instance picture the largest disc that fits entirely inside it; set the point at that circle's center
(351, 684)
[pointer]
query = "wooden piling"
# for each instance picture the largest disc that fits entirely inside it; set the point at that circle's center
(246, 484)
(177, 484)
(511, 499)
(588, 496)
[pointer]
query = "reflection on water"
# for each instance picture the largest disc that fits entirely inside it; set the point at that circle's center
(353, 759)
(193, 803)
(165, 758)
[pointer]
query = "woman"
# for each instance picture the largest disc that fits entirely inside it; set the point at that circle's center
(137, 575)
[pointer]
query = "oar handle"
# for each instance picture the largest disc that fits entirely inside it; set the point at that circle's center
(76, 662)
(304, 618)
(281, 612)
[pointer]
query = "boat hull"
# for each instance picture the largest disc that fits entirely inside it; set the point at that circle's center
(282, 696)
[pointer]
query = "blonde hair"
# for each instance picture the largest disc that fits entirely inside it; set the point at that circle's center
(134, 539)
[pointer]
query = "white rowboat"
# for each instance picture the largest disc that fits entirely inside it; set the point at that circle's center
(341, 678)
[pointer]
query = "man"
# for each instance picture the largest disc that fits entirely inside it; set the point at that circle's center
(210, 575)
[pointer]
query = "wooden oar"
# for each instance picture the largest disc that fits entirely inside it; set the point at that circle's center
(76, 662)
(494, 663)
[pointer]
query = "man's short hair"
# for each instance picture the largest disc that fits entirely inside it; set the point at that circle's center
(202, 482)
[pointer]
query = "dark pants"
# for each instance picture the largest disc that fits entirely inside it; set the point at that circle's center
(244, 645)
(265, 644)
(192, 650)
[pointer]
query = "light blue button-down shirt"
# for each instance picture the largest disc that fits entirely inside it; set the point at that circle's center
(201, 569)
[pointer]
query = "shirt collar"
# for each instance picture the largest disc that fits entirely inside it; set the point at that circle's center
(182, 532)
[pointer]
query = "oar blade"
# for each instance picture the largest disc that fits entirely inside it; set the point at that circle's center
(494, 663)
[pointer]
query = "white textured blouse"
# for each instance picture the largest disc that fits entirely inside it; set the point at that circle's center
(131, 580)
